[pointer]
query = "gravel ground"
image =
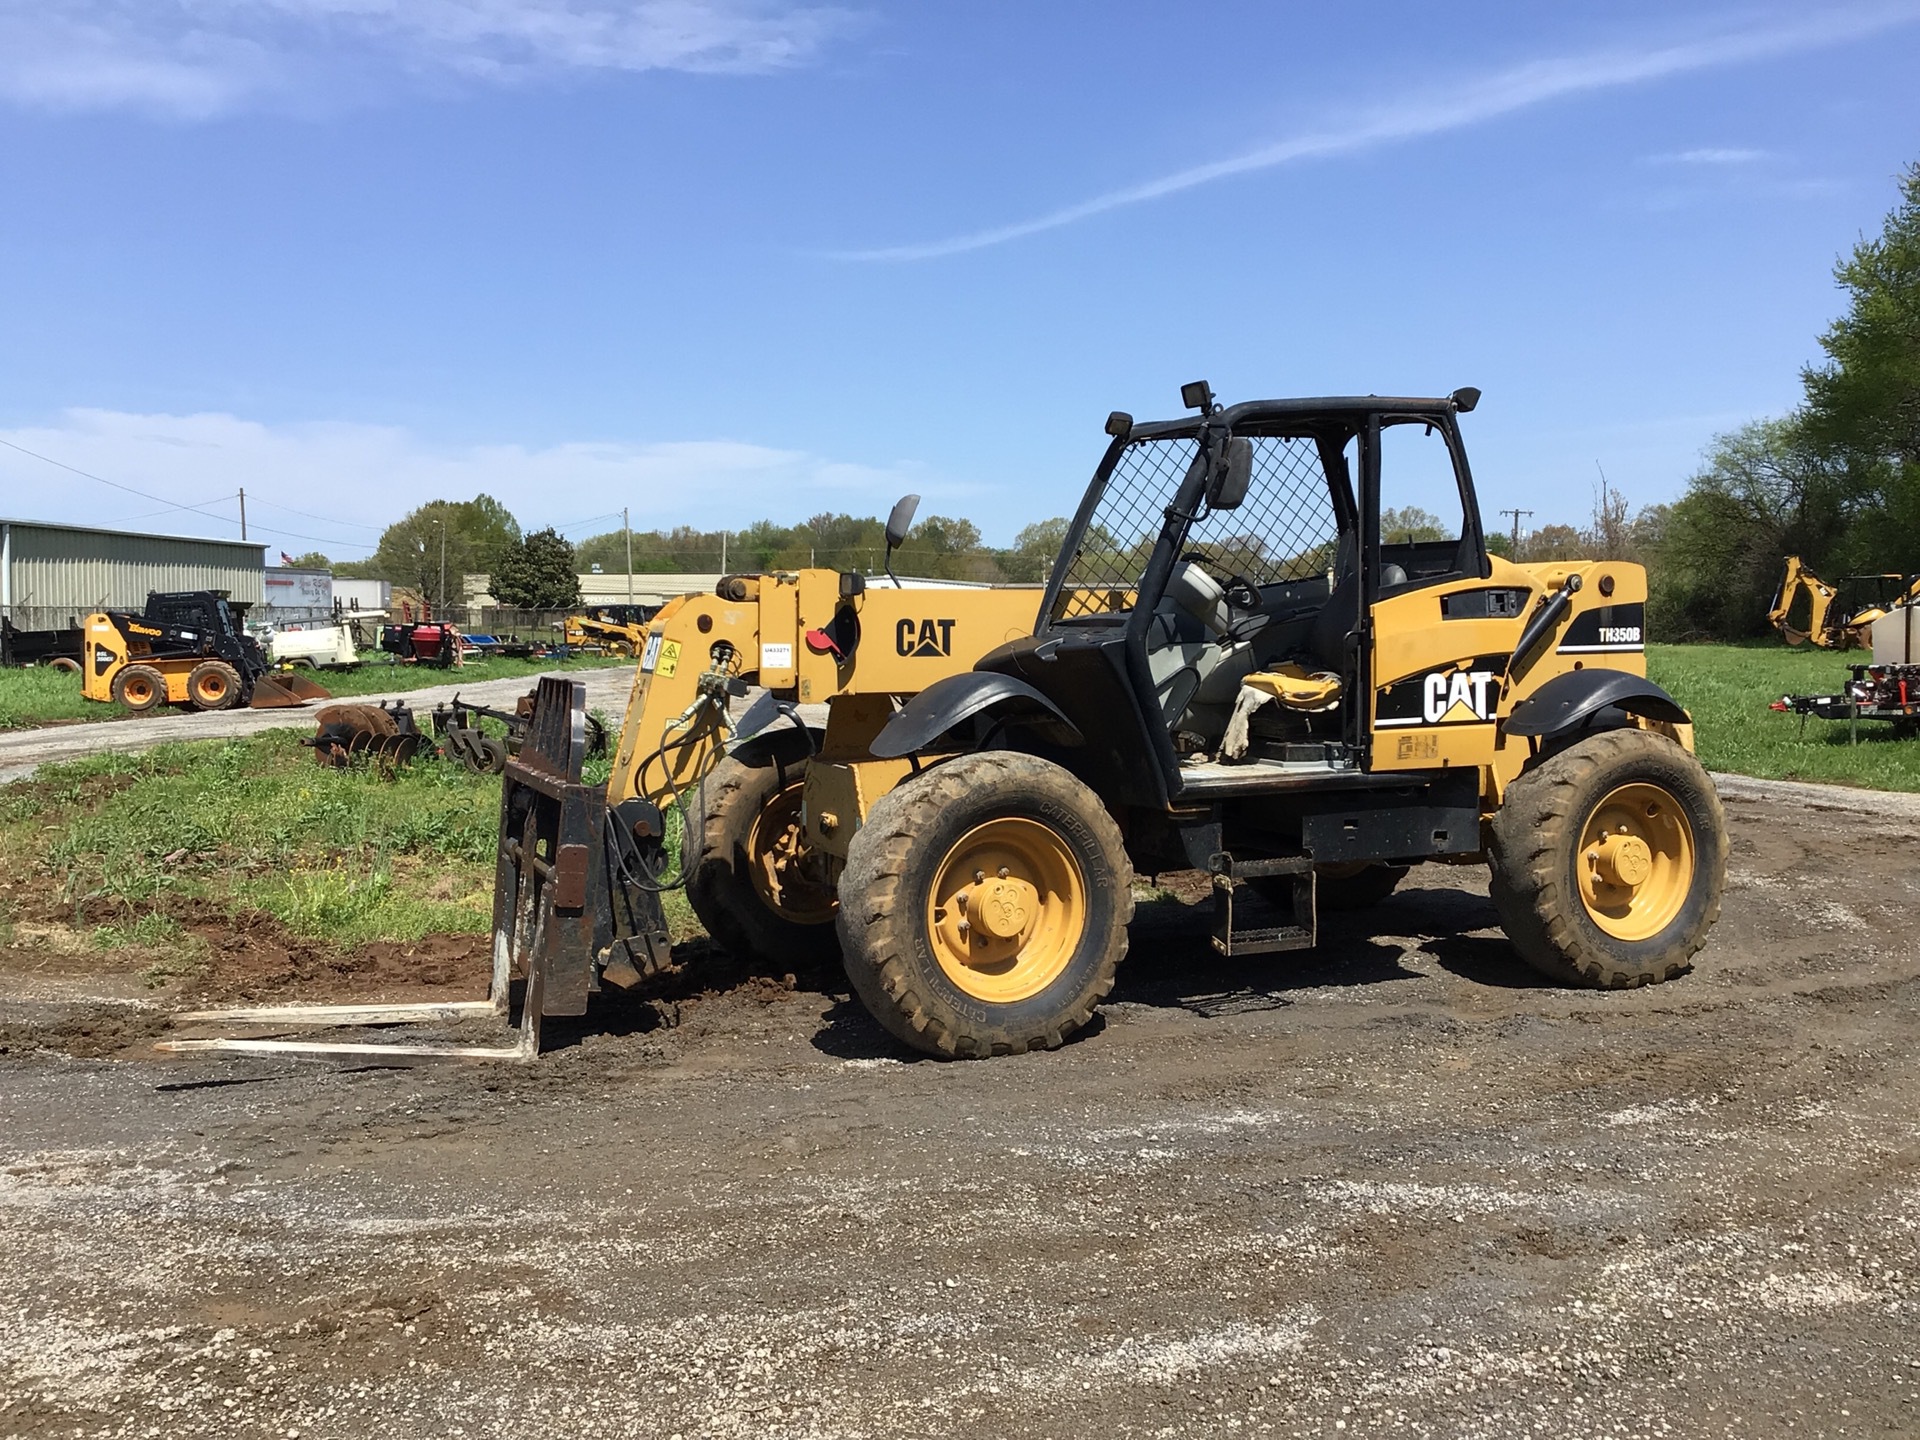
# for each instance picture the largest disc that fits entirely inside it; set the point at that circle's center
(21, 751)
(1393, 1187)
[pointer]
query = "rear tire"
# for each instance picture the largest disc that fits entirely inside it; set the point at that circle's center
(1609, 859)
(213, 685)
(65, 664)
(139, 688)
(743, 882)
(984, 907)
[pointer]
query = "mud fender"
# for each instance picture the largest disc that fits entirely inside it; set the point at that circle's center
(1568, 701)
(946, 703)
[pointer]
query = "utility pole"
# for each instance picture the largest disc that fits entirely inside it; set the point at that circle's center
(627, 527)
(1516, 514)
(723, 552)
(443, 571)
(243, 512)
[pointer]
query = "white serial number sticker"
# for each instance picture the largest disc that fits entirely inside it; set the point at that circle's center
(776, 657)
(652, 657)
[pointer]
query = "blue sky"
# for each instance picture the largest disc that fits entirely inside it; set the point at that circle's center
(721, 261)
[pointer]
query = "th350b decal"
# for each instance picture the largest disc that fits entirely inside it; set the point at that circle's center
(1607, 630)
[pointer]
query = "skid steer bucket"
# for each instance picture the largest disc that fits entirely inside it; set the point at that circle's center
(285, 689)
(556, 890)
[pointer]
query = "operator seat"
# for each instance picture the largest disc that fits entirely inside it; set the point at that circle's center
(1327, 640)
(1192, 653)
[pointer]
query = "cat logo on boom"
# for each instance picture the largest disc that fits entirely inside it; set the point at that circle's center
(924, 639)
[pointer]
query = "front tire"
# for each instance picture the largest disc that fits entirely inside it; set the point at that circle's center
(140, 688)
(1609, 860)
(753, 883)
(213, 685)
(984, 907)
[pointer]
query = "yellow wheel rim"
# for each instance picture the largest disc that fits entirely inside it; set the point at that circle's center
(782, 865)
(138, 690)
(1008, 907)
(1636, 862)
(211, 690)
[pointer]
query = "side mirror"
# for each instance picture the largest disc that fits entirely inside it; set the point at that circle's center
(1227, 486)
(898, 524)
(901, 521)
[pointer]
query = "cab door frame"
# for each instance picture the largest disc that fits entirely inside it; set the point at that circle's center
(1411, 737)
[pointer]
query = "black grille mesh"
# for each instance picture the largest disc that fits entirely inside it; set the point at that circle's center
(1284, 530)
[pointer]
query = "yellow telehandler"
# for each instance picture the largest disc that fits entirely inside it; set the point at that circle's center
(1229, 670)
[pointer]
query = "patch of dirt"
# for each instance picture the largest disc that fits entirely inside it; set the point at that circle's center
(260, 961)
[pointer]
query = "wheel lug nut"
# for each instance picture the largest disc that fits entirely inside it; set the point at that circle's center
(1004, 872)
(979, 877)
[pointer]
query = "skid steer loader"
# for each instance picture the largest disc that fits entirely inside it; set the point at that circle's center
(1227, 671)
(186, 648)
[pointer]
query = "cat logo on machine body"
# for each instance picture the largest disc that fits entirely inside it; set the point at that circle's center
(924, 639)
(1464, 694)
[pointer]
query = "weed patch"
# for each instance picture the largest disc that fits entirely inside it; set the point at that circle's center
(150, 851)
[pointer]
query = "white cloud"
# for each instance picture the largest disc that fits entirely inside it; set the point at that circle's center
(1491, 97)
(198, 58)
(1710, 155)
(361, 477)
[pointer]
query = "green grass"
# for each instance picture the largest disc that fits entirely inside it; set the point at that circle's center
(1728, 689)
(377, 679)
(125, 849)
(36, 695)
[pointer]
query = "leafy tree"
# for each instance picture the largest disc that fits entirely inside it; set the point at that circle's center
(1863, 405)
(1837, 482)
(311, 560)
(1034, 550)
(1553, 542)
(1765, 492)
(443, 540)
(1410, 525)
(537, 573)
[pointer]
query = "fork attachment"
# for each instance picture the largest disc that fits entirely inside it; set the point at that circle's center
(571, 895)
(573, 901)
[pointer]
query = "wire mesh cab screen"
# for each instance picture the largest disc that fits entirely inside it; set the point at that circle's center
(1284, 530)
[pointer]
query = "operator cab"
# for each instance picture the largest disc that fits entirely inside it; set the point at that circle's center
(1233, 555)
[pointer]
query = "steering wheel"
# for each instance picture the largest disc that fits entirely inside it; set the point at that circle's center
(1239, 592)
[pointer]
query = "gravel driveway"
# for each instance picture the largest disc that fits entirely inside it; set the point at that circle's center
(21, 751)
(1395, 1186)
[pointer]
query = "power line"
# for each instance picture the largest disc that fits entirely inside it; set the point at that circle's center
(149, 514)
(101, 479)
(323, 519)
